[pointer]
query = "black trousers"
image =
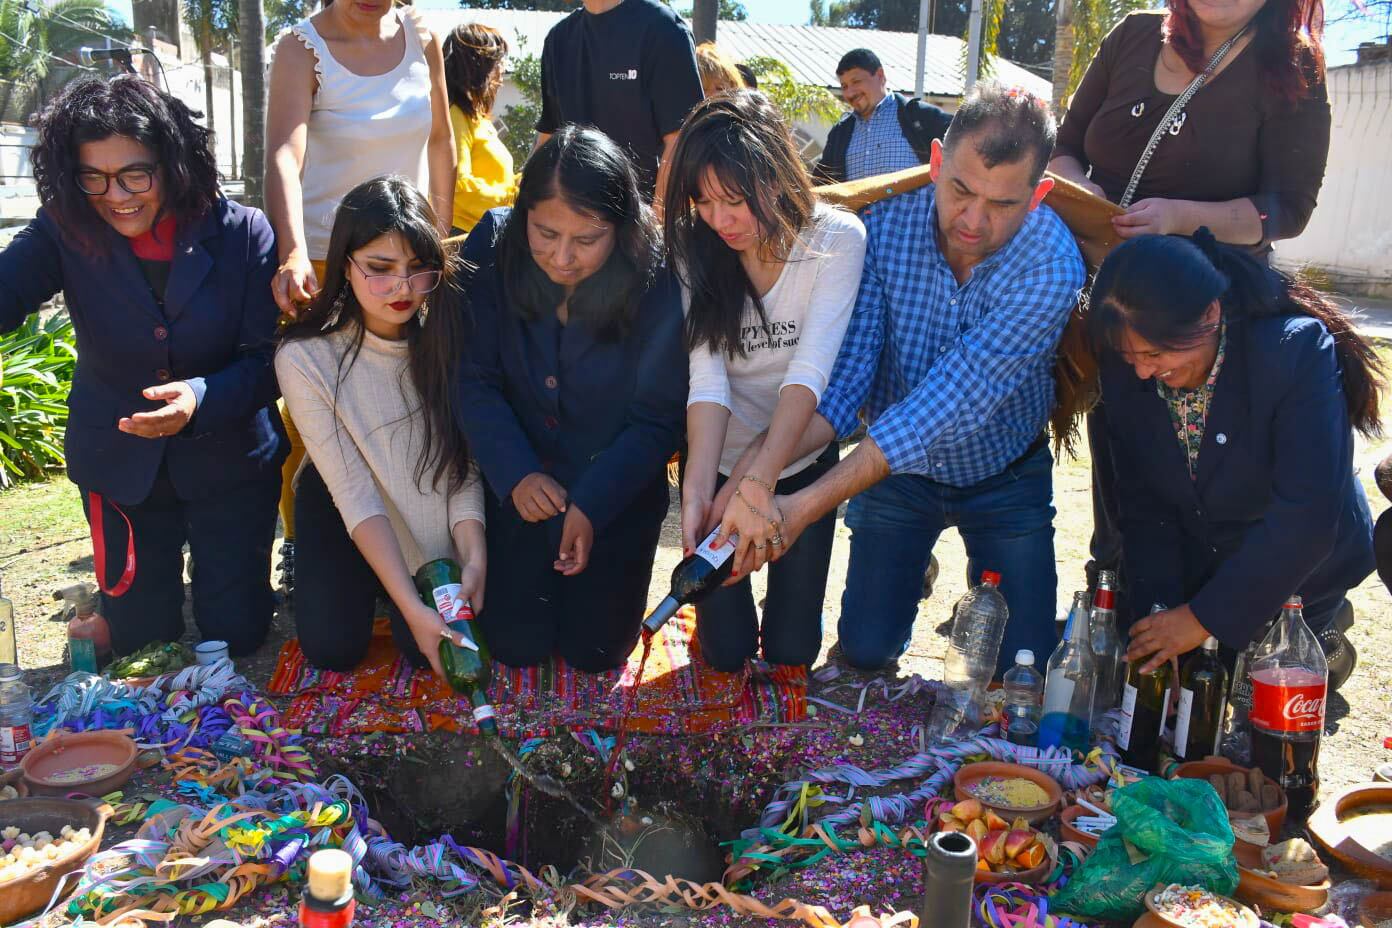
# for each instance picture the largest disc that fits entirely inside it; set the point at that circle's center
(591, 620)
(229, 534)
(336, 589)
(727, 623)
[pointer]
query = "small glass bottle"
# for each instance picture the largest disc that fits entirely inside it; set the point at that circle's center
(328, 899)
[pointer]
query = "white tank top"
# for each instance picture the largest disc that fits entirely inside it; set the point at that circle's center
(363, 127)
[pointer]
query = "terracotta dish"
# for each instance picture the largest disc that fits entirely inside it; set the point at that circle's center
(1272, 894)
(969, 774)
(26, 895)
(1375, 909)
(1330, 827)
(1203, 769)
(48, 767)
(1247, 919)
(1070, 833)
(1031, 876)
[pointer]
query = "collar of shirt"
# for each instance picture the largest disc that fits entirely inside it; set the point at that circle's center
(887, 101)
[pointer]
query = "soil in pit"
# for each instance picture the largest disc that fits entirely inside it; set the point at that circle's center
(440, 783)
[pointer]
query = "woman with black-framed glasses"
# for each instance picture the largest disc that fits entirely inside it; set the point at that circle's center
(172, 431)
(368, 372)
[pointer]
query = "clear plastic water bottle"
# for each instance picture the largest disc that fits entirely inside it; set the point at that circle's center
(1024, 692)
(1237, 727)
(978, 625)
(1108, 653)
(16, 716)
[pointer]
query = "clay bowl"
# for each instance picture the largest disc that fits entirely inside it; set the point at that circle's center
(1032, 876)
(1070, 833)
(1273, 895)
(15, 778)
(1203, 769)
(970, 774)
(1329, 827)
(45, 765)
(22, 897)
(1248, 918)
(1375, 909)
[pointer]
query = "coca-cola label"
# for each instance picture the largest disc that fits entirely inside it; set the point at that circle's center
(1288, 706)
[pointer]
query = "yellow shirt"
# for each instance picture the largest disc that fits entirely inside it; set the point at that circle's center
(483, 178)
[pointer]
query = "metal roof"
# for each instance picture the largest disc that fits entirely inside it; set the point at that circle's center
(810, 51)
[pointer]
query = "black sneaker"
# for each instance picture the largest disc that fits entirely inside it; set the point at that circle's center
(286, 570)
(1338, 650)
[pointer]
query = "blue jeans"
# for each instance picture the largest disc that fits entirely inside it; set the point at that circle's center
(1007, 525)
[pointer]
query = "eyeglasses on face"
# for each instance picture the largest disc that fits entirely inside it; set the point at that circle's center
(132, 180)
(387, 284)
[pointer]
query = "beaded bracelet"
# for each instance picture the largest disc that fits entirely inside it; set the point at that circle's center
(752, 479)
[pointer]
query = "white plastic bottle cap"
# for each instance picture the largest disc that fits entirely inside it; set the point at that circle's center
(1025, 657)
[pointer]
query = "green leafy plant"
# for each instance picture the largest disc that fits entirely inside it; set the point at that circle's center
(518, 121)
(797, 102)
(36, 369)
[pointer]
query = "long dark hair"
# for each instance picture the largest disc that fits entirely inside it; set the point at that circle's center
(1160, 286)
(742, 138)
(91, 109)
(379, 207)
(1287, 43)
(591, 173)
(473, 52)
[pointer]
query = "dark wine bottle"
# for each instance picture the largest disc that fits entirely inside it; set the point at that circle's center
(468, 669)
(1202, 690)
(696, 577)
(1144, 700)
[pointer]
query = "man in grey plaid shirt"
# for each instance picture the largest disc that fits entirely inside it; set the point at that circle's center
(949, 357)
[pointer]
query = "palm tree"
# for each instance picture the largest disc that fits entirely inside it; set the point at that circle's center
(251, 22)
(213, 23)
(34, 35)
(1082, 25)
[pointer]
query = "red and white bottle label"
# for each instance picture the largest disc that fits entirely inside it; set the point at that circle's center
(714, 556)
(448, 605)
(1288, 702)
(15, 742)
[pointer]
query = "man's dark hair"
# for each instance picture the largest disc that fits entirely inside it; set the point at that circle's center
(1005, 125)
(862, 58)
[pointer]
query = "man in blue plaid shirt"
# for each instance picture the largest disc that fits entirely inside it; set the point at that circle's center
(949, 357)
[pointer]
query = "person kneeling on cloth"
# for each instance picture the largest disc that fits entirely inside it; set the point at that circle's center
(172, 433)
(1233, 393)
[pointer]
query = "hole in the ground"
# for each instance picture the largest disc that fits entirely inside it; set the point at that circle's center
(447, 784)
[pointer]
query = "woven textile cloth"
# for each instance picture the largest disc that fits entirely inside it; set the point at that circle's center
(680, 694)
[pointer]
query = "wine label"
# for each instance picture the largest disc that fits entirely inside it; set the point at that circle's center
(483, 713)
(1058, 694)
(1293, 704)
(712, 555)
(447, 603)
(15, 741)
(1128, 717)
(1182, 718)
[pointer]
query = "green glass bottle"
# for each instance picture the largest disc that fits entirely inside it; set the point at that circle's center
(467, 669)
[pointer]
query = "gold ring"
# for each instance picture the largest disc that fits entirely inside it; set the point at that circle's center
(759, 547)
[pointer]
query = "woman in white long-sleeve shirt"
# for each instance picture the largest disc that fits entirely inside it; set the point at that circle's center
(770, 278)
(368, 373)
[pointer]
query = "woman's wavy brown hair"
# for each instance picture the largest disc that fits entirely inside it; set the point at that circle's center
(472, 77)
(1287, 43)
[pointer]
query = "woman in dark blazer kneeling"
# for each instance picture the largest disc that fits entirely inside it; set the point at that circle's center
(171, 433)
(573, 396)
(1232, 396)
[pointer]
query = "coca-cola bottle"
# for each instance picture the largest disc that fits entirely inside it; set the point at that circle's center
(1290, 679)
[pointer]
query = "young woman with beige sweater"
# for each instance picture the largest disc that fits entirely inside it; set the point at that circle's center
(367, 374)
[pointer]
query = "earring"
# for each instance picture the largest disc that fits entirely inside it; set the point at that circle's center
(423, 312)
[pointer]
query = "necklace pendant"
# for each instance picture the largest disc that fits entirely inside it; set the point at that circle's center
(1138, 110)
(1178, 123)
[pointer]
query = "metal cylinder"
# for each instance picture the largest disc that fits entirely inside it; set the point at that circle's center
(947, 886)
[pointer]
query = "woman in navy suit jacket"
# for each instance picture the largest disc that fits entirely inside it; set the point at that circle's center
(573, 395)
(170, 425)
(1232, 396)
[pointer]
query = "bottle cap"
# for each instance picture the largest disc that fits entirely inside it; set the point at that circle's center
(1024, 657)
(330, 875)
(1294, 602)
(991, 577)
(1210, 643)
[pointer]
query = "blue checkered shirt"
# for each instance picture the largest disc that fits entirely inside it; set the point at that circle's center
(955, 381)
(877, 144)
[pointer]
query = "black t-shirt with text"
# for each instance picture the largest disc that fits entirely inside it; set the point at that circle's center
(629, 72)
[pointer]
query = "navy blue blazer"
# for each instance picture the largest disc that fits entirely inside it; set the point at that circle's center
(600, 417)
(1275, 509)
(218, 322)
